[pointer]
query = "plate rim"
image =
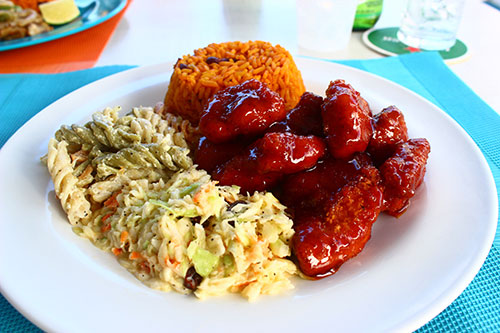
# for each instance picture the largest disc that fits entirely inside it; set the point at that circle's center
(431, 311)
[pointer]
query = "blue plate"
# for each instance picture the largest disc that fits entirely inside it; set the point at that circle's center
(92, 13)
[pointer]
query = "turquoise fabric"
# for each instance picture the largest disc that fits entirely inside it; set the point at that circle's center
(476, 309)
(24, 95)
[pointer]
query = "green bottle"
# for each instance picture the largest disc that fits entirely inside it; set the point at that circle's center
(367, 14)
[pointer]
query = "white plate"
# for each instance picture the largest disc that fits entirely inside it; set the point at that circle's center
(411, 269)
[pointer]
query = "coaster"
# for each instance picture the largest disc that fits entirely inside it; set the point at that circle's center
(386, 42)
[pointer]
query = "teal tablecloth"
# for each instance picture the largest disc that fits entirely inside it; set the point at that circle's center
(476, 309)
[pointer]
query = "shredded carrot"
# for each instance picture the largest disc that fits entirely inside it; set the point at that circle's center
(86, 172)
(79, 156)
(197, 197)
(116, 251)
(123, 236)
(111, 201)
(106, 227)
(206, 188)
(244, 284)
(135, 255)
(175, 263)
(105, 217)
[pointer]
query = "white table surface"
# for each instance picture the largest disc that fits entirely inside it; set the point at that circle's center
(155, 31)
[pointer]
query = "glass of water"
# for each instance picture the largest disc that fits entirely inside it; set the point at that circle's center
(431, 24)
(324, 26)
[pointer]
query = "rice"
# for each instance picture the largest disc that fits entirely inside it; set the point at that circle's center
(197, 77)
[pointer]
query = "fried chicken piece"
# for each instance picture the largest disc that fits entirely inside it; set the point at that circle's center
(402, 174)
(389, 129)
(268, 159)
(287, 153)
(209, 155)
(339, 86)
(306, 192)
(304, 118)
(322, 244)
(346, 120)
(242, 172)
(244, 110)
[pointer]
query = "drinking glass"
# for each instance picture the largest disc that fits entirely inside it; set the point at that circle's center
(431, 24)
(325, 25)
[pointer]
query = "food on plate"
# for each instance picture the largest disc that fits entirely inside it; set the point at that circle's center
(268, 160)
(88, 163)
(17, 22)
(233, 118)
(334, 183)
(247, 109)
(304, 118)
(306, 193)
(209, 155)
(389, 129)
(323, 243)
(128, 184)
(242, 178)
(197, 77)
(23, 18)
(402, 173)
(346, 120)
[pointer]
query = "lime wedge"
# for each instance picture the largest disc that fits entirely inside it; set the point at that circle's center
(59, 11)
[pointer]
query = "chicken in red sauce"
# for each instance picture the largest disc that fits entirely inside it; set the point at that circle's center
(329, 160)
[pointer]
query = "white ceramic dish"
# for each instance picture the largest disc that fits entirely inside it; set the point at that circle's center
(411, 269)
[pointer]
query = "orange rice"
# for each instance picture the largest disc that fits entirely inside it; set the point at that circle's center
(197, 77)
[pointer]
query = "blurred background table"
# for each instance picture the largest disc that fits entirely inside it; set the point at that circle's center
(155, 31)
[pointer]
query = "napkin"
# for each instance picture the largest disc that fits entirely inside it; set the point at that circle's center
(74, 52)
(476, 309)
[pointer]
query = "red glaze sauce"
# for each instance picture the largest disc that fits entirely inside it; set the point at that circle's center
(346, 120)
(287, 153)
(268, 159)
(209, 155)
(333, 164)
(303, 119)
(245, 110)
(321, 245)
(403, 173)
(389, 129)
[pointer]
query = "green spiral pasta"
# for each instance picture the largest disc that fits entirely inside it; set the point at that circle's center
(110, 132)
(154, 156)
(138, 145)
(103, 131)
(128, 184)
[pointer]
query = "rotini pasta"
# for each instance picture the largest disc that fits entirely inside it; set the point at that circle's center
(72, 198)
(129, 185)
